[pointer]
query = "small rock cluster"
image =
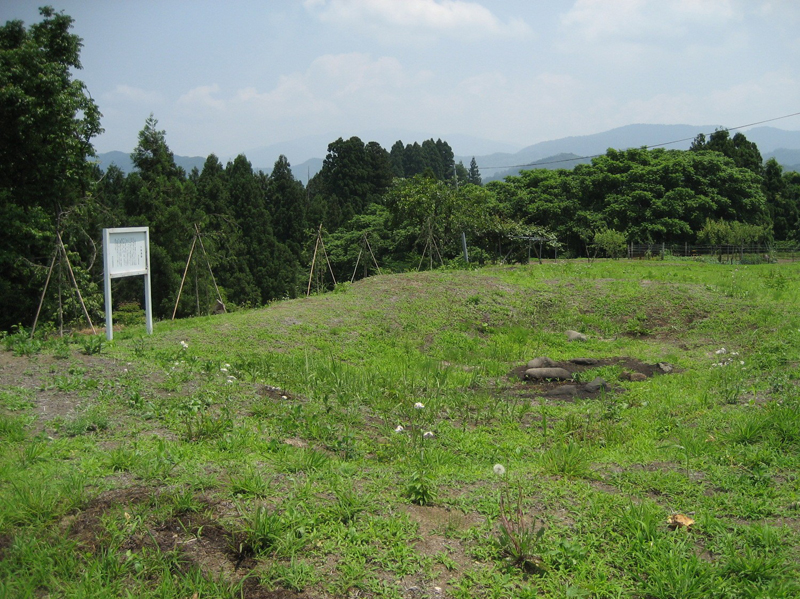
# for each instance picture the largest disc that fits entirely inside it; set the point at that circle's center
(544, 368)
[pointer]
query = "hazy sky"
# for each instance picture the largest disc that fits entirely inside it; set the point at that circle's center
(230, 76)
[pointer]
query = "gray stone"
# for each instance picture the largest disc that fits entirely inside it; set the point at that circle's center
(584, 361)
(665, 367)
(638, 377)
(563, 391)
(575, 336)
(548, 373)
(596, 385)
(541, 362)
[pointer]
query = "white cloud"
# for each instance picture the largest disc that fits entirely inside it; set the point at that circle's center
(409, 19)
(334, 84)
(644, 20)
(127, 93)
(202, 97)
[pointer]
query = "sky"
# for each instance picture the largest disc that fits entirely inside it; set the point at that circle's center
(228, 77)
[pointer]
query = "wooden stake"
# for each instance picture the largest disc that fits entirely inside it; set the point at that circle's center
(44, 291)
(183, 279)
(208, 263)
(75, 282)
(333, 276)
(372, 254)
(353, 278)
(314, 260)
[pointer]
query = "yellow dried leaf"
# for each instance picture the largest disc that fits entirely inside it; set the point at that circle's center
(676, 521)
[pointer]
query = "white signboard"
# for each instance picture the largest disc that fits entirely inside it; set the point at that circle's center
(126, 252)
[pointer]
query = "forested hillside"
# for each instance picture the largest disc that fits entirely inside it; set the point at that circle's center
(402, 208)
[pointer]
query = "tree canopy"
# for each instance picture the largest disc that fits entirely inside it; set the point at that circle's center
(47, 122)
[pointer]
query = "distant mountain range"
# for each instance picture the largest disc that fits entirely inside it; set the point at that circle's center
(566, 152)
(783, 145)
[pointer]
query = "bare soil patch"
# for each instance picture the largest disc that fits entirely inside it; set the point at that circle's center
(540, 388)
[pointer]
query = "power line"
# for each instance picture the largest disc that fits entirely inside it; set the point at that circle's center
(666, 143)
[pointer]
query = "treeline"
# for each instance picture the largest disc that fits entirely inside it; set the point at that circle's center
(655, 196)
(407, 208)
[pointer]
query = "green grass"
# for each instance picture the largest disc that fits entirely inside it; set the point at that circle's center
(283, 448)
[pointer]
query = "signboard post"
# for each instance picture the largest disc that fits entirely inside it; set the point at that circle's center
(126, 253)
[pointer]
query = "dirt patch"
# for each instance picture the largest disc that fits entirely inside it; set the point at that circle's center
(439, 528)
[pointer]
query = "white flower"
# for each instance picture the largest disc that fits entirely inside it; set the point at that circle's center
(226, 365)
(184, 345)
(419, 405)
(499, 469)
(284, 397)
(399, 428)
(741, 362)
(721, 351)
(231, 378)
(223, 369)
(428, 435)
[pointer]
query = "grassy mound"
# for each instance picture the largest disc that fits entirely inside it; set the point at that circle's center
(379, 442)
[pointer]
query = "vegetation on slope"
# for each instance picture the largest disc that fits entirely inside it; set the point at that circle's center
(379, 442)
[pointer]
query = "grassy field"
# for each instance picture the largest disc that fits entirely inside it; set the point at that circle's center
(379, 441)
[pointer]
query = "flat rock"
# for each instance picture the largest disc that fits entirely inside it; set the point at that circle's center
(541, 362)
(637, 377)
(575, 336)
(665, 367)
(584, 361)
(563, 391)
(548, 373)
(596, 385)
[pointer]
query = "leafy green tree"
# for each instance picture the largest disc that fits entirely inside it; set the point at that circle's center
(783, 206)
(612, 243)
(437, 213)
(738, 148)
(47, 122)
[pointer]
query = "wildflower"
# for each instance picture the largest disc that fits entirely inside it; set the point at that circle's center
(721, 351)
(226, 365)
(284, 397)
(499, 469)
(419, 405)
(428, 435)
(223, 369)
(184, 345)
(231, 378)
(399, 428)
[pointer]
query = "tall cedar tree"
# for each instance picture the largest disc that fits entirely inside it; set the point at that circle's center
(352, 176)
(287, 199)
(158, 196)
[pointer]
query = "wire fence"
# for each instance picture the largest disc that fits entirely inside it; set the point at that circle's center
(752, 253)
